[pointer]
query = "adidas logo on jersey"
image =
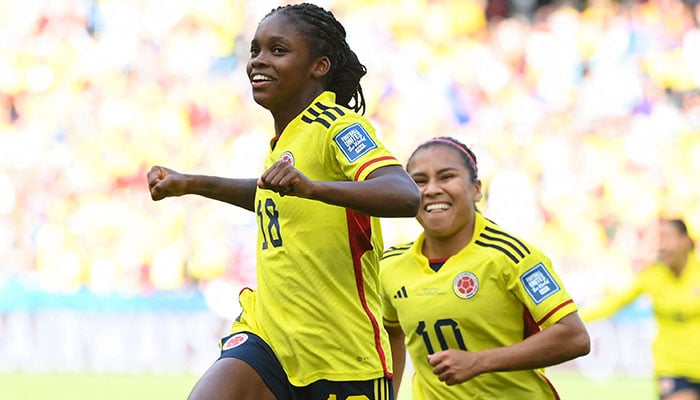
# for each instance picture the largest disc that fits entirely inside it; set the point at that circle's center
(401, 293)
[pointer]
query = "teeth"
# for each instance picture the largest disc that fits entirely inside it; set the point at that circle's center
(437, 206)
(260, 77)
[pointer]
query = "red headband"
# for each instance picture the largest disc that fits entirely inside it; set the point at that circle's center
(455, 145)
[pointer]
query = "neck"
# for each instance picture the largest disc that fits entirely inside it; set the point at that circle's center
(678, 266)
(283, 119)
(444, 247)
(284, 115)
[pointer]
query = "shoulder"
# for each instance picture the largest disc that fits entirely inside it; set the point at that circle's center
(396, 250)
(504, 244)
(324, 112)
(395, 255)
(653, 272)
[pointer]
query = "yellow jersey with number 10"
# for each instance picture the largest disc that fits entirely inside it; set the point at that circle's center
(495, 292)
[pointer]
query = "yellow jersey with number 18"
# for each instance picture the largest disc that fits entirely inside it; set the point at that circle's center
(318, 304)
(495, 292)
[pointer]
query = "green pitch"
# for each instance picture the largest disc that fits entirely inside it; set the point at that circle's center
(15, 386)
(95, 387)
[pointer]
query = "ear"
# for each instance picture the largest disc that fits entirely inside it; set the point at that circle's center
(321, 67)
(477, 191)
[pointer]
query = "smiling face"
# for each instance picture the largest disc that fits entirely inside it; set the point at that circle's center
(448, 195)
(284, 74)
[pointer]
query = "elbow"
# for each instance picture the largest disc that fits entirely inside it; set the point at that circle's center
(411, 202)
(409, 198)
(582, 344)
(587, 347)
(412, 205)
(405, 204)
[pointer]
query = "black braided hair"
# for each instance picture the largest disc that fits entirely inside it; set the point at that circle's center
(328, 36)
(465, 152)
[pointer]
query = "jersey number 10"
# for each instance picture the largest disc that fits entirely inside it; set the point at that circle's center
(438, 326)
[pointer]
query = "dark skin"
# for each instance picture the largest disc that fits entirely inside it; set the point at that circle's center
(285, 77)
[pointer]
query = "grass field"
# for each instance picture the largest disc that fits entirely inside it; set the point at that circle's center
(15, 386)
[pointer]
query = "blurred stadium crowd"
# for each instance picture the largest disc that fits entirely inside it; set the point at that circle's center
(585, 121)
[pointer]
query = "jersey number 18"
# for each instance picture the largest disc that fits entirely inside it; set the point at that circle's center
(271, 232)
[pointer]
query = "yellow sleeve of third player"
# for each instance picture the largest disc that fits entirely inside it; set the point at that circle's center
(611, 304)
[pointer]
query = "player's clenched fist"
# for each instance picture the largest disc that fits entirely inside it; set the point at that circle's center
(453, 366)
(164, 182)
(284, 179)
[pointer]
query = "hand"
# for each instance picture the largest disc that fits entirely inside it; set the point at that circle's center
(164, 182)
(284, 179)
(454, 366)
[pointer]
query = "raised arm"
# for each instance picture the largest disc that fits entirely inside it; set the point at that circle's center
(387, 192)
(164, 182)
(611, 304)
(563, 341)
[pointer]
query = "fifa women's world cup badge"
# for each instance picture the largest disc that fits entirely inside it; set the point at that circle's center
(465, 285)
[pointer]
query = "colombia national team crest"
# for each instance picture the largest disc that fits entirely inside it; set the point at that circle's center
(288, 157)
(234, 341)
(465, 285)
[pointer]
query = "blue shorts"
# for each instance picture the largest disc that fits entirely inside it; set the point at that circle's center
(249, 347)
(376, 389)
(669, 385)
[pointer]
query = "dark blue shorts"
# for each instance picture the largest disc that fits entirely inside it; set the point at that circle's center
(253, 350)
(376, 389)
(669, 385)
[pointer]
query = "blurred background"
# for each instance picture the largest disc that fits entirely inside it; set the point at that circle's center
(584, 116)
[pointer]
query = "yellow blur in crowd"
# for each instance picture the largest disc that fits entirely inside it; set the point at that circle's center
(587, 123)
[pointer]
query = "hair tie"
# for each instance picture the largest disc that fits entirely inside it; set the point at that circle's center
(458, 147)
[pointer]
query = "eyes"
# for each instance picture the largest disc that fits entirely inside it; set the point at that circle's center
(275, 50)
(422, 180)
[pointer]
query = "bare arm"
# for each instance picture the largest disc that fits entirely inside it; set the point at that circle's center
(164, 182)
(398, 355)
(387, 192)
(563, 341)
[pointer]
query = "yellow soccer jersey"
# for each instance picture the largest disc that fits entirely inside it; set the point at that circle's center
(495, 292)
(676, 307)
(318, 303)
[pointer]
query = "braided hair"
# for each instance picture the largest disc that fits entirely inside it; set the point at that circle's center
(328, 37)
(467, 155)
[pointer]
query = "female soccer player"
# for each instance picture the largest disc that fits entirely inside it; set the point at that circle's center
(673, 285)
(480, 310)
(312, 329)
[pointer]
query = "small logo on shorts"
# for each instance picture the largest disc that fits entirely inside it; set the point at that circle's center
(465, 285)
(288, 157)
(234, 341)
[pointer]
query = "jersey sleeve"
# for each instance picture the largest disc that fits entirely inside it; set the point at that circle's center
(614, 302)
(355, 148)
(387, 269)
(542, 291)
